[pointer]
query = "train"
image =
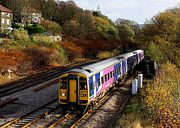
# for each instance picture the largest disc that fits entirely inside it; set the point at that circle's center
(81, 87)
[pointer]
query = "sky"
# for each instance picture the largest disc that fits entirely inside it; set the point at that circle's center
(137, 10)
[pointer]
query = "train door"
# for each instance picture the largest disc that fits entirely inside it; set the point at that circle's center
(73, 89)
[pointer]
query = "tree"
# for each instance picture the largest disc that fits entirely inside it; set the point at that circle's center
(161, 34)
(132, 24)
(48, 9)
(126, 34)
(65, 12)
(51, 27)
(163, 25)
(106, 28)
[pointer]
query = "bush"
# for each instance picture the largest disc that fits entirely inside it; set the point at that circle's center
(51, 27)
(72, 28)
(163, 51)
(21, 35)
(104, 55)
(42, 40)
(45, 56)
(162, 96)
(17, 25)
(33, 29)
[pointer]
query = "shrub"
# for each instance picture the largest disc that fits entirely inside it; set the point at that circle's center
(51, 27)
(17, 25)
(162, 96)
(33, 29)
(163, 51)
(45, 56)
(104, 55)
(42, 40)
(72, 28)
(21, 35)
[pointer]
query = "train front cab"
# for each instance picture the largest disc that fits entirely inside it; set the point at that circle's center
(73, 91)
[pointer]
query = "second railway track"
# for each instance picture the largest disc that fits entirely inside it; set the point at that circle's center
(36, 79)
(33, 116)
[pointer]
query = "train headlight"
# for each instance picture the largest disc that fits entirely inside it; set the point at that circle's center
(63, 94)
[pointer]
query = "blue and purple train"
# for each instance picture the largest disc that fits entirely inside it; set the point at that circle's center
(81, 87)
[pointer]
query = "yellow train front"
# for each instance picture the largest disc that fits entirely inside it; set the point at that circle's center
(73, 91)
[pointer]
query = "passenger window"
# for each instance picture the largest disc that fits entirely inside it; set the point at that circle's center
(90, 86)
(108, 76)
(98, 82)
(105, 77)
(102, 80)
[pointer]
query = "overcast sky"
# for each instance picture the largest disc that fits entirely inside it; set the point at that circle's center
(137, 10)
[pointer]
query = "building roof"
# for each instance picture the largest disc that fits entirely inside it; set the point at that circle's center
(4, 9)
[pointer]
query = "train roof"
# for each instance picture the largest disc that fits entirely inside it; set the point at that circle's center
(129, 54)
(98, 66)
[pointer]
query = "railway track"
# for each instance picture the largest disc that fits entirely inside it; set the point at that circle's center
(90, 113)
(81, 121)
(32, 117)
(65, 121)
(36, 79)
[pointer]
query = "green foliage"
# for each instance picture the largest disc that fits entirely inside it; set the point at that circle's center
(125, 33)
(51, 27)
(96, 13)
(163, 51)
(17, 25)
(163, 25)
(105, 28)
(42, 40)
(162, 95)
(21, 35)
(33, 29)
(161, 34)
(65, 12)
(86, 22)
(81, 27)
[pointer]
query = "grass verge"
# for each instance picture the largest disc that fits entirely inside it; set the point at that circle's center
(135, 115)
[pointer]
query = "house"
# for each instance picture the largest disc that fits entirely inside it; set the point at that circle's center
(6, 18)
(30, 16)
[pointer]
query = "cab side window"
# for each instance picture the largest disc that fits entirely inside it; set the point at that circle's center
(63, 83)
(83, 84)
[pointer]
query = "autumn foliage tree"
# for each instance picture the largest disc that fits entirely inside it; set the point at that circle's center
(161, 34)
